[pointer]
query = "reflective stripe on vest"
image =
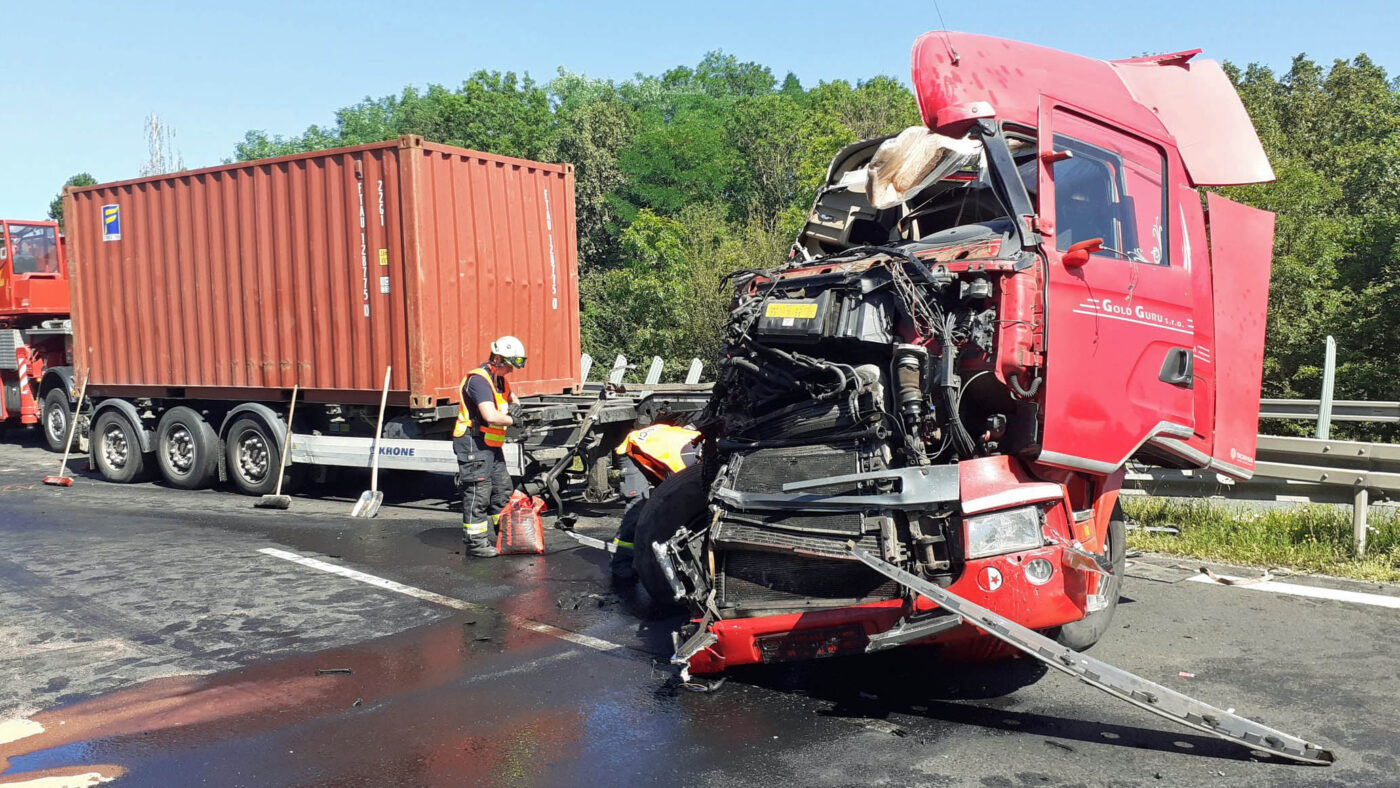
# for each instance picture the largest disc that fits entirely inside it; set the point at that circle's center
(491, 435)
(658, 449)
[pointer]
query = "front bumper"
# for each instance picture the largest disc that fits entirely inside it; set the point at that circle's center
(997, 583)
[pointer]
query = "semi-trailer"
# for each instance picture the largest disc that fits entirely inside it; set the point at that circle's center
(201, 298)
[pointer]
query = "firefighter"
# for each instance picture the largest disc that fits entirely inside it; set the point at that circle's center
(648, 456)
(486, 410)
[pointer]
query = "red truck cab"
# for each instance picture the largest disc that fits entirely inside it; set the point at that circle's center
(35, 332)
(33, 272)
(984, 319)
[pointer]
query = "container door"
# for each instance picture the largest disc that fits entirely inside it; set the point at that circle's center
(1119, 331)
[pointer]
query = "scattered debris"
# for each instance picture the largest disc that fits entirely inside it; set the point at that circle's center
(1059, 745)
(471, 623)
(1161, 529)
(1185, 674)
(578, 600)
(358, 702)
(333, 671)
(1237, 581)
(701, 685)
(481, 639)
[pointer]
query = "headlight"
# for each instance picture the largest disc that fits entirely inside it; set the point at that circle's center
(1003, 532)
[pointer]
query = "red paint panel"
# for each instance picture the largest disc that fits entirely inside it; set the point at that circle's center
(1241, 252)
(323, 268)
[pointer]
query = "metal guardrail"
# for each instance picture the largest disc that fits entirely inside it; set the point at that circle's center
(1342, 410)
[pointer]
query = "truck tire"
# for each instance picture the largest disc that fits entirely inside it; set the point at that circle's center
(116, 449)
(677, 501)
(1080, 635)
(187, 449)
(57, 419)
(252, 452)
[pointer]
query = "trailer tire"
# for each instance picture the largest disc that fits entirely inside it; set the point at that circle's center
(1080, 635)
(252, 451)
(187, 449)
(57, 419)
(677, 501)
(116, 448)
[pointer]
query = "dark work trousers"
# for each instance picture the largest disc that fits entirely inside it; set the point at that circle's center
(483, 480)
(635, 490)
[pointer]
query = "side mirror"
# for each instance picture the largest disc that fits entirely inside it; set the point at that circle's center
(1078, 254)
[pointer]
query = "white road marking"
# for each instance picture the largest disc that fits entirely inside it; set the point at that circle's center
(586, 641)
(1293, 589)
(14, 730)
(62, 781)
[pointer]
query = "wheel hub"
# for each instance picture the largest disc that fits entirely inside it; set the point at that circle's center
(54, 422)
(179, 449)
(252, 457)
(115, 449)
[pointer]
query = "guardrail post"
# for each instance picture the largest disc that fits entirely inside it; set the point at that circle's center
(654, 373)
(619, 368)
(1359, 510)
(1329, 377)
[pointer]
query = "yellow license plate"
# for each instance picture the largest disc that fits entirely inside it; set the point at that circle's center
(799, 311)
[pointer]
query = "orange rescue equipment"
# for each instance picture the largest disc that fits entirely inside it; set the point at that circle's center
(658, 449)
(491, 435)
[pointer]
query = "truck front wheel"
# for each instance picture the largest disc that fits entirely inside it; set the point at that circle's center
(57, 416)
(677, 501)
(116, 449)
(1082, 634)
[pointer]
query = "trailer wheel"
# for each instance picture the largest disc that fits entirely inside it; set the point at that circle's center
(187, 449)
(252, 453)
(1080, 635)
(57, 418)
(677, 501)
(116, 449)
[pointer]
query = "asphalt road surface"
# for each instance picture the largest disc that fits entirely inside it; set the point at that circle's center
(163, 637)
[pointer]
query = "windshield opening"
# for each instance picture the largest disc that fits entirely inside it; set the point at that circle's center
(33, 249)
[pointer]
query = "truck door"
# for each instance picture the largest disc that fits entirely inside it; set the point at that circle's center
(1119, 329)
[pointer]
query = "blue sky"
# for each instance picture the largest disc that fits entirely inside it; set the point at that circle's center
(81, 76)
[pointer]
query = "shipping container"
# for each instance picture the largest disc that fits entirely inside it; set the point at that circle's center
(321, 269)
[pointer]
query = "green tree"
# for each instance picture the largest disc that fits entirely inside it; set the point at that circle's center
(56, 206)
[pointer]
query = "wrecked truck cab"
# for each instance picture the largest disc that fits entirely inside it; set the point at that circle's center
(982, 321)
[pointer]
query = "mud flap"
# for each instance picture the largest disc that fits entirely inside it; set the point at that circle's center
(1121, 684)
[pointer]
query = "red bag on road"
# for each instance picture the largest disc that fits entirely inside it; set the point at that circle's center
(521, 530)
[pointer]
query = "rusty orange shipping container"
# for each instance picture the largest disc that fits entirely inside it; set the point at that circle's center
(321, 269)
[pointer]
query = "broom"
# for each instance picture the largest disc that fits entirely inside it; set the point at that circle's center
(62, 480)
(277, 500)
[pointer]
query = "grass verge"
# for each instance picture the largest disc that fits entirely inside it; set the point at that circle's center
(1307, 538)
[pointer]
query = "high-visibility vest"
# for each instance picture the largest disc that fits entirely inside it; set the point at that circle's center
(659, 449)
(491, 434)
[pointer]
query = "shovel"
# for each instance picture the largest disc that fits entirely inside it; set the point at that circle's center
(368, 505)
(63, 480)
(277, 500)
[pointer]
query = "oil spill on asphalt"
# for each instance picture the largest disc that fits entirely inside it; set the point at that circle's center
(399, 716)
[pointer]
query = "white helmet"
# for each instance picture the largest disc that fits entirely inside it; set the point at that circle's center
(511, 350)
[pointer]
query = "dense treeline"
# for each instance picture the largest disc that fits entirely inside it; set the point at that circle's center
(681, 178)
(685, 176)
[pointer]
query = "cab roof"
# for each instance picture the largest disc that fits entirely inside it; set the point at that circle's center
(1174, 96)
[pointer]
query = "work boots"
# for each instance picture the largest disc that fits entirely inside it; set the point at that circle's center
(477, 537)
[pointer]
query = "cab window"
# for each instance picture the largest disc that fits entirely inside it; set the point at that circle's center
(1110, 187)
(34, 249)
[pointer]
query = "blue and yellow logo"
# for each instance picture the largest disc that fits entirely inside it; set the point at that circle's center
(111, 222)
